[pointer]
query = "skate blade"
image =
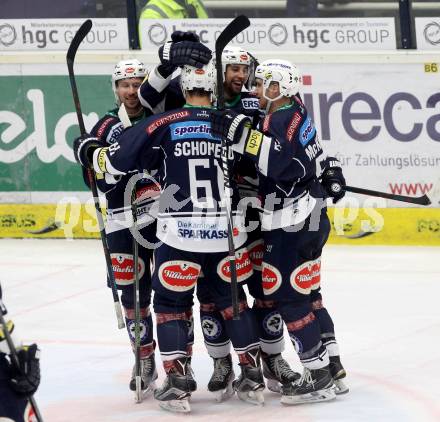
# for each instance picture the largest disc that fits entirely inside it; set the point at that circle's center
(314, 397)
(252, 397)
(273, 385)
(176, 406)
(340, 387)
(225, 394)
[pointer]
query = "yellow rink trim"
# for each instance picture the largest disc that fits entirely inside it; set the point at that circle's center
(385, 226)
(353, 226)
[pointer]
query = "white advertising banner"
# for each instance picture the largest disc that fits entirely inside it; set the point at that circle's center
(428, 33)
(56, 34)
(381, 120)
(282, 34)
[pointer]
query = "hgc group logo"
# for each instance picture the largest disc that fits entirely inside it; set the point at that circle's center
(432, 33)
(8, 35)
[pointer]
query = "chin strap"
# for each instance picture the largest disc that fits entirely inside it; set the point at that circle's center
(270, 100)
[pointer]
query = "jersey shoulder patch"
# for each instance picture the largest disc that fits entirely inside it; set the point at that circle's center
(103, 125)
(115, 132)
(249, 101)
(166, 118)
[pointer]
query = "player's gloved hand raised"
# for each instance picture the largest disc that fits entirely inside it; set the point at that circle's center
(332, 178)
(26, 378)
(229, 125)
(83, 148)
(194, 53)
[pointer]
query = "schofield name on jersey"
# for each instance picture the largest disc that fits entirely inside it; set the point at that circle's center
(194, 130)
(197, 148)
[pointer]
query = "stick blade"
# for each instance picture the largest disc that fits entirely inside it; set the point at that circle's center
(240, 23)
(424, 200)
(82, 32)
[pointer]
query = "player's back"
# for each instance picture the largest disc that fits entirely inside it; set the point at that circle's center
(188, 157)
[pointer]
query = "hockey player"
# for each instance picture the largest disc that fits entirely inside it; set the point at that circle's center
(126, 79)
(192, 226)
(295, 226)
(17, 384)
(319, 311)
(161, 91)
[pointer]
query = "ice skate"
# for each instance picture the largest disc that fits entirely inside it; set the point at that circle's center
(315, 385)
(338, 372)
(148, 378)
(277, 372)
(221, 380)
(250, 384)
(176, 390)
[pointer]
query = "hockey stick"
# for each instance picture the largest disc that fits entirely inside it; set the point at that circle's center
(15, 361)
(239, 24)
(137, 311)
(419, 200)
(70, 57)
(126, 122)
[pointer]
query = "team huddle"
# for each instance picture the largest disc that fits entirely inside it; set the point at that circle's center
(169, 136)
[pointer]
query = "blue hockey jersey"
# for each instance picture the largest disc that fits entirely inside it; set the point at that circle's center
(179, 144)
(109, 128)
(287, 152)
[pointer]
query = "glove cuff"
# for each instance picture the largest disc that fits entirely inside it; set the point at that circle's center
(329, 163)
(16, 339)
(160, 77)
(166, 51)
(99, 159)
(234, 126)
(241, 144)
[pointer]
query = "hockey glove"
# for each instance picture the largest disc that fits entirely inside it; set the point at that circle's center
(332, 178)
(193, 53)
(26, 379)
(83, 148)
(229, 125)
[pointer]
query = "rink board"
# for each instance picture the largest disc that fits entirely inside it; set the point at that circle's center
(385, 132)
(353, 226)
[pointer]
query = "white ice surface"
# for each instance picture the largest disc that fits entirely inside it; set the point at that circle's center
(384, 301)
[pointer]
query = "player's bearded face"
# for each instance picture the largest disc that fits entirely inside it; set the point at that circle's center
(127, 94)
(235, 77)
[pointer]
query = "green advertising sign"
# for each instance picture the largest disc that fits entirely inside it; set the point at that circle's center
(37, 126)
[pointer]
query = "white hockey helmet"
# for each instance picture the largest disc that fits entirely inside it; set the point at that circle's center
(125, 69)
(282, 71)
(199, 78)
(236, 55)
